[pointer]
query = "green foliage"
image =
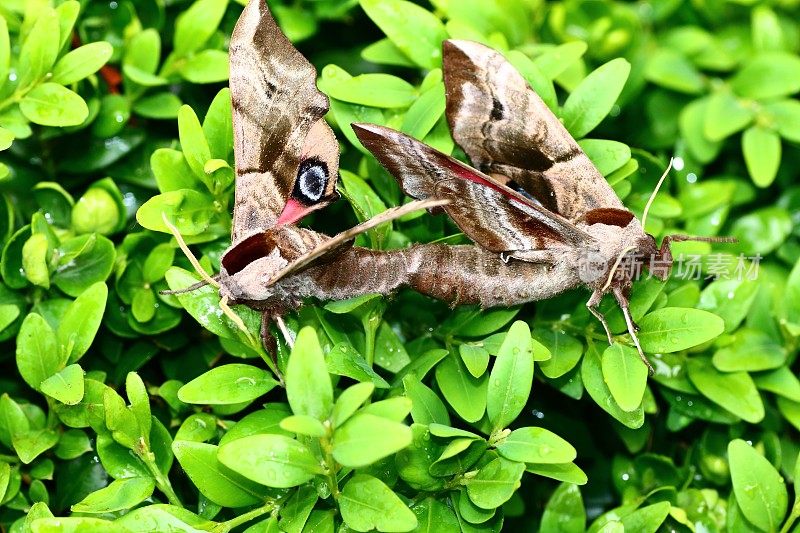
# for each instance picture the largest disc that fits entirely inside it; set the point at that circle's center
(123, 409)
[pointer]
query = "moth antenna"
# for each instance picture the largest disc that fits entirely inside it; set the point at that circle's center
(236, 319)
(190, 288)
(287, 335)
(679, 238)
(188, 253)
(629, 322)
(616, 266)
(655, 192)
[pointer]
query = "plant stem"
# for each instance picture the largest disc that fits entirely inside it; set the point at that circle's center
(243, 518)
(795, 514)
(162, 481)
(330, 464)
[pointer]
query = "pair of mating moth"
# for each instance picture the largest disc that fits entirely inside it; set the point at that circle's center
(542, 217)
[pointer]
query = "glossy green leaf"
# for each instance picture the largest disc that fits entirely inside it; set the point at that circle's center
(511, 377)
(366, 503)
(308, 385)
(228, 384)
(760, 491)
(625, 375)
(272, 460)
(592, 100)
(672, 329)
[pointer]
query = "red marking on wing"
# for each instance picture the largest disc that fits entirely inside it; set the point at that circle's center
(467, 174)
(292, 212)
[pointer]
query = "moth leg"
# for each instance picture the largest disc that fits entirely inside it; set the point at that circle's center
(547, 257)
(623, 303)
(268, 340)
(591, 305)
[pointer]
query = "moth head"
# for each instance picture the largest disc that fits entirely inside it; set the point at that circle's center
(247, 267)
(315, 180)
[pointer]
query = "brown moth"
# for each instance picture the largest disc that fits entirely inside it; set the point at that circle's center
(545, 217)
(286, 167)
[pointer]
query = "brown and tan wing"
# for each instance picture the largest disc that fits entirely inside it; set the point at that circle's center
(287, 157)
(506, 129)
(491, 214)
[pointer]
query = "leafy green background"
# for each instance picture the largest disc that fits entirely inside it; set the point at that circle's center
(125, 410)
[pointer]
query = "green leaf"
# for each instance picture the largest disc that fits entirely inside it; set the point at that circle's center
(763, 230)
(218, 126)
(786, 117)
(272, 460)
(39, 49)
(536, 445)
(607, 156)
(228, 385)
(475, 358)
(164, 105)
(593, 99)
(671, 70)
(426, 110)
(308, 385)
(465, 393)
(349, 401)
(434, 515)
(366, 438)
(208, 66)
(725, 115)
(691, 122)
(216, 482)
(50, 104)
(38, 356)
(734, 391)
(592, 376)
(564, 511)
(416, 32)
(565, 350)
(384, 52)
(193, 143)
(160, 517)
(556, 60)
(6, 138)
(366, 503)
(189, 211)
(35, 253)
(81, 62)
(81, 321)
(5, 52)
(427, 407)
(120, 494)
(671, 329)
(768, 75)
(762, 154)
(625, 375)
(511, 377)
(75, 524)
(197, 24)
(83, 261)
(143, 51)
(304, 425)
(567, 472)
(760, 491)
(375, 90)
(495, 483)
(751, 350)
(66, 386)
(32, 444)
(647, 519)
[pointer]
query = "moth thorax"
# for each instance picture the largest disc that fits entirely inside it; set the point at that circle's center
(312, 179)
